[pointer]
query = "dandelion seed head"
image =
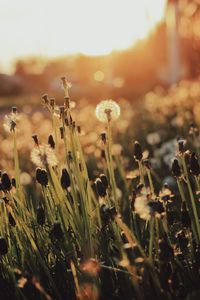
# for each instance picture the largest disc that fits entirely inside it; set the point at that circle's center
(107, 110)
(10, 121)
(142, 208)
(43, 155)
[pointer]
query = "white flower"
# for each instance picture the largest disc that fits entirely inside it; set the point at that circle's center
(43, 155)
(107, 110)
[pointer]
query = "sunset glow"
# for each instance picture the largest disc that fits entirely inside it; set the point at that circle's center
(52, 28)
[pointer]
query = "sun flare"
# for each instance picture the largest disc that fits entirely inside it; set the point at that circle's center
(52, 28)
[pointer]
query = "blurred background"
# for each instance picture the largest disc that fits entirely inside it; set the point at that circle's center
(107, 48)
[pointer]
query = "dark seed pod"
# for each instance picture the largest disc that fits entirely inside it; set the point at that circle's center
(105, 213)
(104, 180)
(6, 183)
(13, 182)
(56, 231)
(194, 165)
(79, 129)
(61, 133)
(3, 246)
(181, 145)
(65, 179)
(11, 220)
(166, 251)
(156, 206)
(103, 137)
(101, 189)
(35, 139)
(185, 217)
(176, 170)
(40, 215)
(133, 197)
(14, 109)
(138, 151)
(45, 98)
(147, 163)
(42, 176)
(113, 212)
(51, 142)
(103, 154)
(52, 102)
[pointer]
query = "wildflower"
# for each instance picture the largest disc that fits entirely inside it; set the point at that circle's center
(194, 165)
(3, 246)
(107, 110)
(65, 179)
(176, 170)
(41, 176)
(43, 155)
(51, 141)
(137, 151)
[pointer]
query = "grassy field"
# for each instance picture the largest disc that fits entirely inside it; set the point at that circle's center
(101, 202)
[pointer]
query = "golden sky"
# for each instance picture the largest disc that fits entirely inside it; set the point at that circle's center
(57, 27)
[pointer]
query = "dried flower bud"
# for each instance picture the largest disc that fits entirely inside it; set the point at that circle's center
(103, 137)
(70, 156)
(13, 182)
(52, 102)
(62, 112)
(147, 163)
(181, 145)
(14, 109)
(176, 170)
(51, 142)
(113, 212)
(137, 151)
(57, 231)
(3, 246)
(104, 180)
(65, 179)
(194, 165)
(35, 139)
(79, 129)
(103, 154)
(11, 220)
(45, 98)
(61, 133)
(42, 176)
(185, 217)
(40, 215)
(101, 189)
(6, 183)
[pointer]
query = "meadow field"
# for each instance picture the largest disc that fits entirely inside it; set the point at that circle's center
(101, 201)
